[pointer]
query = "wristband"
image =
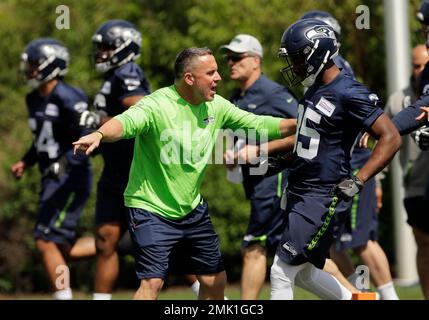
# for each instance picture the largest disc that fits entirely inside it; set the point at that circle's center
(101, 133)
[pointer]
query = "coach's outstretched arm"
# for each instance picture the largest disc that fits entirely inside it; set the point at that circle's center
(111, 131)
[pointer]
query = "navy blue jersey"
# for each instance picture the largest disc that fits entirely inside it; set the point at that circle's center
(124, 81)
(343, 64)
(405, 121)
(330, 118)
(360, 155)
(264, 97)
(54, 122)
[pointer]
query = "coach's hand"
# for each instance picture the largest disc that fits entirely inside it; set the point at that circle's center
(88, 143)
(422, 137)
(348, 188)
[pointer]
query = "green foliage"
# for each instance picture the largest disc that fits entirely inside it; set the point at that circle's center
(167, 27)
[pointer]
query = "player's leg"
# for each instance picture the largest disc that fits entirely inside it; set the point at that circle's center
(264, 231)
(212, 286)
(321, 283)
(254, 271)
(54, 264)
(373, 256)
(331, 268)
(365, 245)
(149, 289)
(110, 216)
(342, 260)
(60, 206)
(282, 278)
(84, 247)
(107, 262)
(422, 241)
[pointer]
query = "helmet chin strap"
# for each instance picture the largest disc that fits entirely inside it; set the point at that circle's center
(309, 81)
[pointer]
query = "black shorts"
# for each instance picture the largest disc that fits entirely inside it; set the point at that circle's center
(310, 227)
(362, 224)
(60, 206)
(193, 238)
(417, 211)
(266, 223)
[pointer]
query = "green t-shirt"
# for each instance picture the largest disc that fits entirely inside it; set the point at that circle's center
(174, 143)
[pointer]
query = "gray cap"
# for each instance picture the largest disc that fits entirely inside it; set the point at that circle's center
(243, 43)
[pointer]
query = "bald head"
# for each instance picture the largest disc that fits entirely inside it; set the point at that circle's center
(419, 58)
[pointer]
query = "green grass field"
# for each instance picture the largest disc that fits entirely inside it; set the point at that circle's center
(232, 292)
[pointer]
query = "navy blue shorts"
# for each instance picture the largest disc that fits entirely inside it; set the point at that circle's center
(417, 211)
(362, 224)
(310, 228)
(192, 239)
(110, 206)
(266, 224)
(61, 203)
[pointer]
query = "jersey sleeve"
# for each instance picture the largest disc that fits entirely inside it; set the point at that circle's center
(130, 81)
(284, 103)
(137, 119)
(75, 102)
(234, 118)
(362, 105)
(405, 121)
(30, 157)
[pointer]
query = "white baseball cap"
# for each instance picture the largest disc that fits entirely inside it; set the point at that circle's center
(243, 43)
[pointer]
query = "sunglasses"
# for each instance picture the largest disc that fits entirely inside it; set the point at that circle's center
(236, 57)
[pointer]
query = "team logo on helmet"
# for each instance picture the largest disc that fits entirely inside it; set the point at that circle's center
(318, 32)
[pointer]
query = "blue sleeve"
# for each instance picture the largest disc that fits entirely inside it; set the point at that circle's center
(130, 81)
(284, 103)
(362, 105)
(405, 121)
(30, 158)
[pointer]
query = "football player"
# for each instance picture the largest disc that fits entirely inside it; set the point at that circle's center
(54, 109)
(359, 231)
(116, 47)
(333, 111)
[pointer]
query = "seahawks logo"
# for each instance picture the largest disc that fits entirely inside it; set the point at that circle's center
(318, 32)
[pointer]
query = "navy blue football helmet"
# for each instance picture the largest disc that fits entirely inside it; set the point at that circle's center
(326, 18)
(307, 46)
(423, 16)
(116, 42)
(42, 60)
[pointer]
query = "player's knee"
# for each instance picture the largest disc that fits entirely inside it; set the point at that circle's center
(105, 244)
(255, 251)
(153, 286)
(44, 246)
(214, 283)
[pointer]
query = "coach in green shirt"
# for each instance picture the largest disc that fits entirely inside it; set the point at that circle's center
(175, 129)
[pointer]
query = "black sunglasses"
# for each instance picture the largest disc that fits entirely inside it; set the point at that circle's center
(236, 57)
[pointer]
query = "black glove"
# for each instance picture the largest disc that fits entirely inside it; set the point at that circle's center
(278, 163)
(57, 169)
(421, 137)
(89, 119)
(348, 188)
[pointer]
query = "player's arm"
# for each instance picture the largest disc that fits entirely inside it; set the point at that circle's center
(413, 116)
(29, 159)
(111, 131)
(389, 142)
(126, 103)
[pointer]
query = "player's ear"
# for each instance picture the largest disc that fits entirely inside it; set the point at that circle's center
(189, 79)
